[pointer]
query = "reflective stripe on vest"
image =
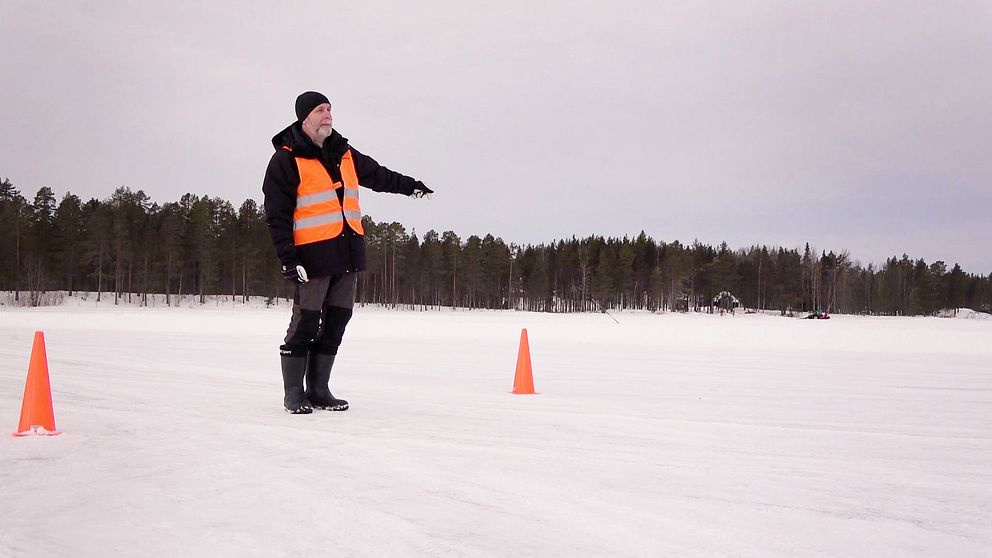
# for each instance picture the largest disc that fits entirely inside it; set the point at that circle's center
(319, 215)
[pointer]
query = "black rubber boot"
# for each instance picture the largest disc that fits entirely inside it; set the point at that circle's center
(293, 370)
(318, 374)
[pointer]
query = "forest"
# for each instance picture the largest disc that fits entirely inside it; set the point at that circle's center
(127, 247)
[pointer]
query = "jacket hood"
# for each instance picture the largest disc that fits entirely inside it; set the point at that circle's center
(294, 138)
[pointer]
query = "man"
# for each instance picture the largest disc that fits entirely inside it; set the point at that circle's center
(312, 210)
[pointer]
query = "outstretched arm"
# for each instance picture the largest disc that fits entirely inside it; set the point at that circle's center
(376, 177)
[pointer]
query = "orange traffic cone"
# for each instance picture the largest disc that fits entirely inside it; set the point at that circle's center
(523, 380)
(37, 414)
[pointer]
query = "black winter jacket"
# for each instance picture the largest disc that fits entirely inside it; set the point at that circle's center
(345, 253)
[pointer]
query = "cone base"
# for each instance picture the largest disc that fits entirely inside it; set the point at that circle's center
(36, 431)
(524, 393)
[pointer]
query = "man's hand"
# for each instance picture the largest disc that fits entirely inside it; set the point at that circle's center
(296, 273)
(419, 191)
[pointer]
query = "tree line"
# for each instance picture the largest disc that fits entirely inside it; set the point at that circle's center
(128, 247)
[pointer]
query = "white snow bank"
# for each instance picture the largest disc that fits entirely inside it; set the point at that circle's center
(107, 300)
(965, 314)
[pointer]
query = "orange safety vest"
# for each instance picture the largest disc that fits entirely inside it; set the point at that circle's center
(319, 215)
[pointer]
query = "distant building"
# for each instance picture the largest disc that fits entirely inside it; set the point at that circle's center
(726, 301)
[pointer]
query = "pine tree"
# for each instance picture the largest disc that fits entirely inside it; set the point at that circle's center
(98, 221)
(14, 218)
(69, 230)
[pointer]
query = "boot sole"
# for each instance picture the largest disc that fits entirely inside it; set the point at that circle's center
(305, 411)
(331, 407)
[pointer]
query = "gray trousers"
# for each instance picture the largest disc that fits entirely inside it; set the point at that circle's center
(322, 308)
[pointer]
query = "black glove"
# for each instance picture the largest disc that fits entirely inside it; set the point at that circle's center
(295, 273)
(419, 190)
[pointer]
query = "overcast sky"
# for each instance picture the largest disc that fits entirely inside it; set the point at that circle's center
(855, 125)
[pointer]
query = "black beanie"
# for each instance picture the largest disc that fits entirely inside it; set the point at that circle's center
(308, 101)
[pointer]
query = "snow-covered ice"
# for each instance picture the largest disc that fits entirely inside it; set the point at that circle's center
(665, 435)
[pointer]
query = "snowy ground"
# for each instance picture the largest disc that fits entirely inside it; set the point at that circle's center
(666, 435)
